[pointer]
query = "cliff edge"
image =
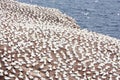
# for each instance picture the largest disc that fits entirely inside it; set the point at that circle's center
(38, 43)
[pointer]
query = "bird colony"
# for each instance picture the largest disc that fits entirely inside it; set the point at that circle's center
(38, 43)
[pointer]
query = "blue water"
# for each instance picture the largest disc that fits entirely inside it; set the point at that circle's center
(102, 16)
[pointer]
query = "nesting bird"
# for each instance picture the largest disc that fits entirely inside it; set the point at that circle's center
(38, 43)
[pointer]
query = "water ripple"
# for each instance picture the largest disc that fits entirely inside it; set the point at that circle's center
(95, 15)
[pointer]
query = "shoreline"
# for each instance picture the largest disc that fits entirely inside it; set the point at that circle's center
(44, 44)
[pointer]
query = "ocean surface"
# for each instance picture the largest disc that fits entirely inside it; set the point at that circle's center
(102, 16)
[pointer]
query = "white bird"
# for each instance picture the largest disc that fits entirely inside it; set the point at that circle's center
(42, 43)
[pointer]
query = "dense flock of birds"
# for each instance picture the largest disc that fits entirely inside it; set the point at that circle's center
(38, 43)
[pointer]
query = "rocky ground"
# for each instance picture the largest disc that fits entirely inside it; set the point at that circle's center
(38, 43)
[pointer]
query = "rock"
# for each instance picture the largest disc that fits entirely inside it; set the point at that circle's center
(34, 38)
